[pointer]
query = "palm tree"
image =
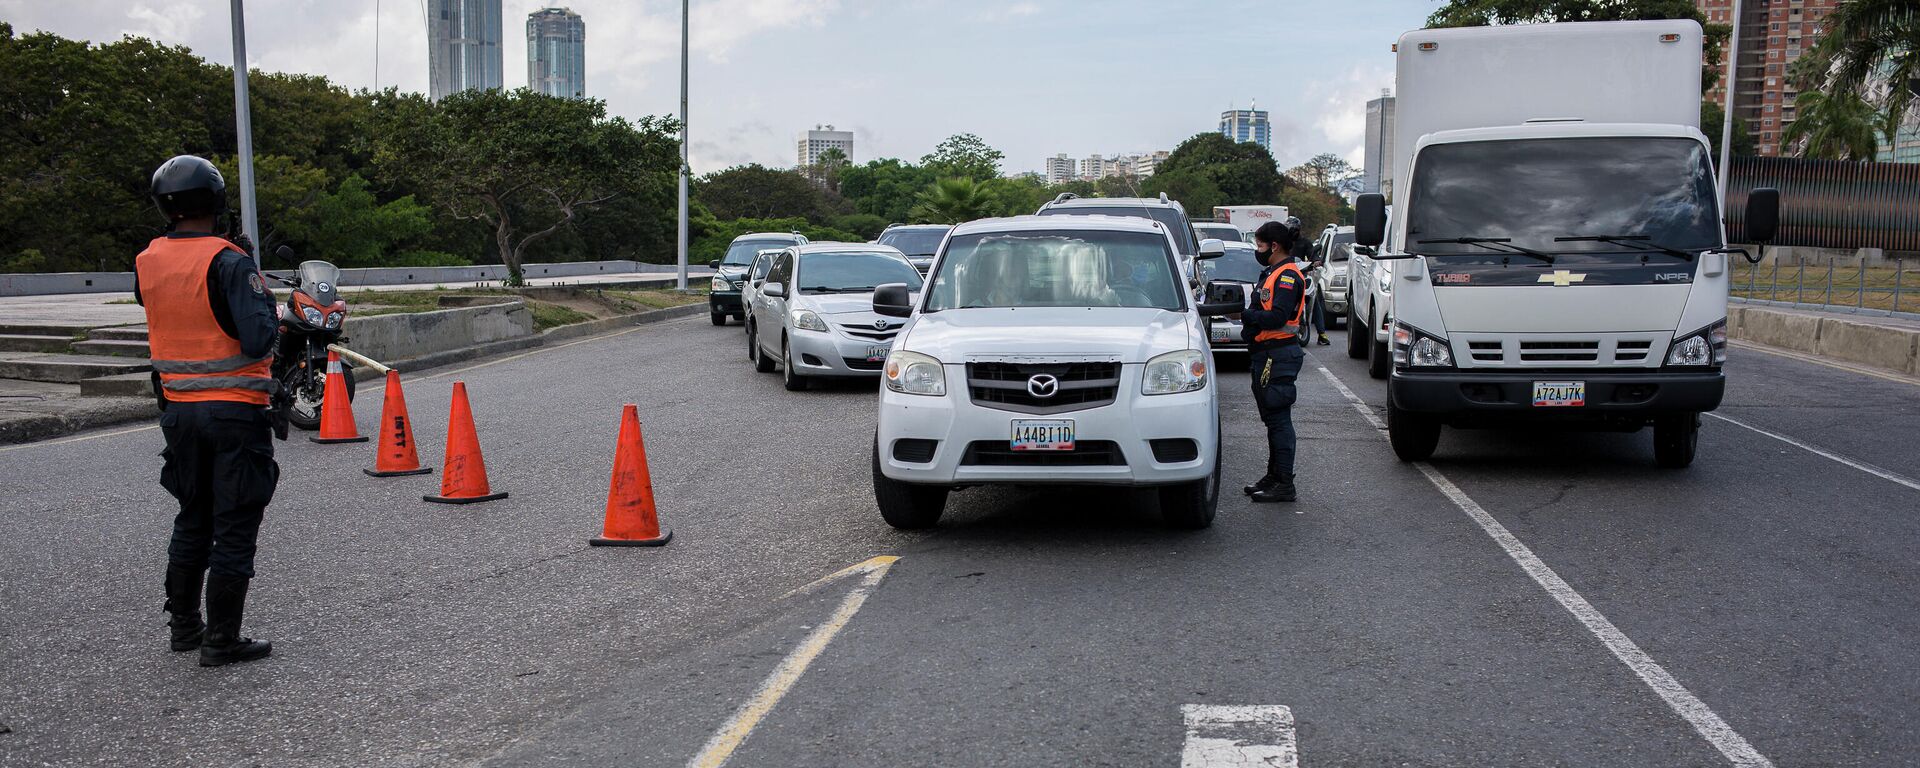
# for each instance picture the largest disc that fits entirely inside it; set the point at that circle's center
(1872, 47)
(1834, 126)
(955, 201)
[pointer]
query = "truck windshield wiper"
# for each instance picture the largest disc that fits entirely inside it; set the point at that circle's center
(1640, 243)
(1488, 243)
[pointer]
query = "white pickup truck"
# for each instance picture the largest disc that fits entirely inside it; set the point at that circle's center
(1559, 253)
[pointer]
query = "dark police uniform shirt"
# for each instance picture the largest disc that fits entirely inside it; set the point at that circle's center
(241, 303)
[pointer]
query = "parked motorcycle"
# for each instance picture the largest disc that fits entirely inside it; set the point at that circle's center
(312, 318)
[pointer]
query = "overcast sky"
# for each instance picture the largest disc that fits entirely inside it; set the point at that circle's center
(1032, 77)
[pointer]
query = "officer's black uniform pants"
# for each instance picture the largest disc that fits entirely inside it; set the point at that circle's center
(219, 464)
(1274, 371)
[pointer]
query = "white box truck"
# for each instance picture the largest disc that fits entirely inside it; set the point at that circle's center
(1248, 218)
(1560, 254)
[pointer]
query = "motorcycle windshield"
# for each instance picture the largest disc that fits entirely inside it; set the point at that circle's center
(320, 280)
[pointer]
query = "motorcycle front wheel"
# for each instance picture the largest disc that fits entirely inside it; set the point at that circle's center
(307, 390)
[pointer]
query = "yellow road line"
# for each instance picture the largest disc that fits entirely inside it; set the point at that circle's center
(864, 566)
(721, 746)
(1805, 358)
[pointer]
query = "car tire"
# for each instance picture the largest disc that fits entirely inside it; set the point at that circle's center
(794, 382)
(718, 318)
(761, 363)
(1676, 437)
(1190, 506)
(1379, 357)
(1414, 435)
(906, 506)
(1356, 341)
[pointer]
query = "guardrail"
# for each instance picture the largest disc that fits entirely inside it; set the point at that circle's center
(1836, 285)
(42, 284)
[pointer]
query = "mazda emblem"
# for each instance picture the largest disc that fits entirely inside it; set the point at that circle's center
(1043, 385)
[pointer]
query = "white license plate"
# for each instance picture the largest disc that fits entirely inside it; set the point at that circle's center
(1559, 394)
(1042, 434)
(1222, 333)
(877, 353)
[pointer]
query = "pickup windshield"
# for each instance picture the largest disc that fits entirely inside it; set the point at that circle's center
(853, 272)
(1239, 265)
(915, 243)
(1528, 192)
(741, 252)
(1056, 268)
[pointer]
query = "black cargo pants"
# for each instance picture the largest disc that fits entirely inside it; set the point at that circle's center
(219, 464)
(1274, 372)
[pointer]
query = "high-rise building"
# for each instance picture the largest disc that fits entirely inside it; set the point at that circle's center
(1905, 147)
(822, 138)
(1772, 36)
(463, 46)
(1377, 167)
(557, 53)
(1247, 125)
(1095, 167)
(1059, 169)
(1145, 165)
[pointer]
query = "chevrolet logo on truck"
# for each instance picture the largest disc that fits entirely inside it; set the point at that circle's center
(1563, 278)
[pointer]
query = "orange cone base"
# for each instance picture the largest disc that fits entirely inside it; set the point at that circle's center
(464, 499)
(420, 471)
(329, 440)
(659, 542)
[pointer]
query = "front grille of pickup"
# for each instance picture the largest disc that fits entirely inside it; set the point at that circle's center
(1003, 386)
(1085, 453)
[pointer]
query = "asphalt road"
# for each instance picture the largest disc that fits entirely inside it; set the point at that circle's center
(1526, 599)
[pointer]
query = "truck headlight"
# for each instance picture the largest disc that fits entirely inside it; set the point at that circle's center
(1340, 279)
(1419, 350)
(721, 284)
(313, 316)
(806, 320)
(913, 373)
(1175, 372)
(1707, 346)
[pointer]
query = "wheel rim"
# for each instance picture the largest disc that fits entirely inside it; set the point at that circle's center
(786, 361)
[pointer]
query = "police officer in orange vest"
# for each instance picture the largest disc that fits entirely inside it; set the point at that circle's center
(1271, 328)
(211, 328)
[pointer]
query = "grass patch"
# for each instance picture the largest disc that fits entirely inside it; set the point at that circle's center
(123, 301)
(643, 300)
(553, 315)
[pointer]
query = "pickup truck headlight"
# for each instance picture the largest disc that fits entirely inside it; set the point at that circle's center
(721, 284)
(1705, 347)
(806, 320)
(1175, 372)
(913, 373)
(1340, 279)
(1418, 350)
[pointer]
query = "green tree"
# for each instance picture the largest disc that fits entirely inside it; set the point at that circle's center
(1484, 13)
(1217, 171)
(711, 236)
(1192, 187)
(964, 155)
(755, 191)
(1833, 126)
(350, 228)
(1018, 196)
(1325, 171)
(524, 164)
(885, 188)
(1711, 114)
(865, 225)
(1870, 48)
(954, 201)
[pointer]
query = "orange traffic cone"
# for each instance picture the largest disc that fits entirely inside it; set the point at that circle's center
(464, 481)
(336, 411)
(396, 455)
(632, 520)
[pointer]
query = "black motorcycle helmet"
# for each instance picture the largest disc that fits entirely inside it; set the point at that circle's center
(188, 187)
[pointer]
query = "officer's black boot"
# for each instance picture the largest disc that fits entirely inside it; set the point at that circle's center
(1266, 481)
(1281, 490)
(226, 602)
(183, 607)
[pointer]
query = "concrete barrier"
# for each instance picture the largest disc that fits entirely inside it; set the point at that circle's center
(42, 284)
(407, 336)
(1887, 345)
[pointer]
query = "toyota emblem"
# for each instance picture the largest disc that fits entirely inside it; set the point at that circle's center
(880, 325)
(1043, 385)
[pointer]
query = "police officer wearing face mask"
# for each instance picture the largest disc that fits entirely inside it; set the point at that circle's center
(1271, 328)
(211, 329)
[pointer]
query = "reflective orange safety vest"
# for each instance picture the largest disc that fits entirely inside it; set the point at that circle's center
(1292, 329)
(196, 359)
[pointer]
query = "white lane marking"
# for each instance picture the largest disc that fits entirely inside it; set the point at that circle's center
(1821, 452)
(1696, 712)
(1239, 736)
(720, 747)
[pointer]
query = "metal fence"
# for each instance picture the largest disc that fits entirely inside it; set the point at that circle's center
(1840, 283)
(1830, 203)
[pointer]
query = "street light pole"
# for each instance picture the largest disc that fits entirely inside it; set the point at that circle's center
(1726, 110)
(683, 145)
(243, 123)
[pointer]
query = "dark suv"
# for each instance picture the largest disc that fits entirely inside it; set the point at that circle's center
(918, 241)
(724, 301)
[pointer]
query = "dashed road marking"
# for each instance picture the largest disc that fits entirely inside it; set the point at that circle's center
(1689, 707)
(1870, 469)
(720, 747)
(1239, 736)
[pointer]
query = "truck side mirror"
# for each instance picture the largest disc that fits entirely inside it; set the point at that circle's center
(1370, 219)
(893, 300)
(1763, 214)
(714, 264)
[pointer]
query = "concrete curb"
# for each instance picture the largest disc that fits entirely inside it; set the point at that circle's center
(1890, 347)
(105, 414)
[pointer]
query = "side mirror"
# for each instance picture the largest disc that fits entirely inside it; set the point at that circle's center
(773, 290)
(1212, 248)
(893, 300)
(715, 264)
(1763, 214)
(1370, 219)
(1365, 250)
(1224, 299)
(285, 255)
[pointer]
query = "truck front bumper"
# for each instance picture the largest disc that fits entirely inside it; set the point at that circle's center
(724, 303)
(1465, 396)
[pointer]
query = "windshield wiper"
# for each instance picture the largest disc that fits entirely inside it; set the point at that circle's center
(1641, 243)
(828, 289)
(1489, 243)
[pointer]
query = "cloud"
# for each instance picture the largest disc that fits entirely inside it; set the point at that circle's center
(1009, 12)
(719, 25)
(1343, 109)
(170, 21)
